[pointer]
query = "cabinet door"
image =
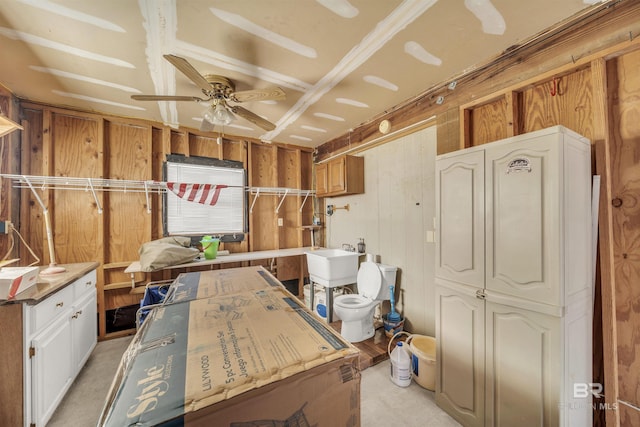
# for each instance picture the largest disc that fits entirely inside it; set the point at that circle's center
(337, 175)
(84, 327)
(523, 219)
(460, 218)
(460, 353)
(321, 180)
(52, 370)
(523, 369)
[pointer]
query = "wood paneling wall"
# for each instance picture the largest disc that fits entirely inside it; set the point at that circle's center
(111, 227)
(394, 215)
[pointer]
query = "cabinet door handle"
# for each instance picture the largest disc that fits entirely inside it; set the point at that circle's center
(60, 304)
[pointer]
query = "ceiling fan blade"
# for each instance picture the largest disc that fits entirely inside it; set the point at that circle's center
(187, 69)
(253, 118)
(274, 93)
(165, 98)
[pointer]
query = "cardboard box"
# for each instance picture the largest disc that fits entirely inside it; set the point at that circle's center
(14, 280)
(214, 283)
(235, 348)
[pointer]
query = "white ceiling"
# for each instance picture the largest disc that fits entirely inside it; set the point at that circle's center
(340, 62)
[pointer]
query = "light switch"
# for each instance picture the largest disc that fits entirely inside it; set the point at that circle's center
(431, 236)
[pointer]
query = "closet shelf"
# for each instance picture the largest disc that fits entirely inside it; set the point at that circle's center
(149, 187)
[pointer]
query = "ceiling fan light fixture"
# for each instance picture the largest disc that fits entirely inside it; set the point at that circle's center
(219, 115)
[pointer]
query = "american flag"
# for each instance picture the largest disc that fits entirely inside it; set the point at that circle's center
(206, 194)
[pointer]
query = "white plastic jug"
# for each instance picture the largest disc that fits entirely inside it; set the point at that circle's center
(400, 365)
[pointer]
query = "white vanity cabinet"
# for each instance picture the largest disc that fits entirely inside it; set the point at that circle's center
(54, 332)
(64, 334)
(513, 281)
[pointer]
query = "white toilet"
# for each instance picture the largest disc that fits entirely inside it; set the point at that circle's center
(356, 310)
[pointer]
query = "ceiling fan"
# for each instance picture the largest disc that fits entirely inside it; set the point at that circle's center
(219, 91)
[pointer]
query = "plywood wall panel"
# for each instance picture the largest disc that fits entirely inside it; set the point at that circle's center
(31, 217)
(625, 167)
(75, 152)
(203, 146)
(289, 268)
(264, 166)
(305, 170)
(129, 150)
(263, 230)
(289, 176)
(120, 298)
(289, 231)
(629, 417)
(235, 149)
(488, 122)
(179, 143)
(288, 168)
(9, 163)
(571, 106)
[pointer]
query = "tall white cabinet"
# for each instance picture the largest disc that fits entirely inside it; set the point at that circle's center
(513, 281)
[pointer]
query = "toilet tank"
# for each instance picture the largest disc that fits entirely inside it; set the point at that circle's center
(388, 279)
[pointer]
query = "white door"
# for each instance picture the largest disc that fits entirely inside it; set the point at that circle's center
(460, 353)
(460, 216)
(523, 219)
(84, 329)
(52, 369)
(523, 367)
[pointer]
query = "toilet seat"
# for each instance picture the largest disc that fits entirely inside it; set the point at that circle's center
(352, 301)
(369, 281)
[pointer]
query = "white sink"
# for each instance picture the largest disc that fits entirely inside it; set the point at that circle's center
(332, 267)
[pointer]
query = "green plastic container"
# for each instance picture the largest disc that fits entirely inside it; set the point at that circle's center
(209, 247)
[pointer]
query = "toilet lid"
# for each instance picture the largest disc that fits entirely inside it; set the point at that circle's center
(369, 280)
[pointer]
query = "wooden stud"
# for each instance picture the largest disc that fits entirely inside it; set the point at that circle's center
(603, 168)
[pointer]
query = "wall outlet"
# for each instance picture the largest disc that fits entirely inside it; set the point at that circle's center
(5, 227)
(280, 222)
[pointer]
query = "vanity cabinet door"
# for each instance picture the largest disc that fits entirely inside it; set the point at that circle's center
(52, 368)
(84, 328)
